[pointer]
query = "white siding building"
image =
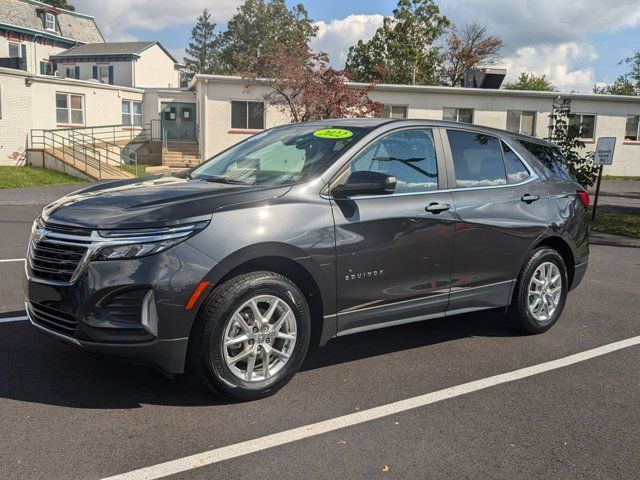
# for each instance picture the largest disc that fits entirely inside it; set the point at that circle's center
(221, 121)
(129, 64)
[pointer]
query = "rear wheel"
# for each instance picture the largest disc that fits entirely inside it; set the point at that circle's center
(252, 336)
(540, 293)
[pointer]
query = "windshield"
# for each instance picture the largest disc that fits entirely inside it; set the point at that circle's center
(279, 156)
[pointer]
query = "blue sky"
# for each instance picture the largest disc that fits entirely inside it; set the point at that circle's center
(576, 43)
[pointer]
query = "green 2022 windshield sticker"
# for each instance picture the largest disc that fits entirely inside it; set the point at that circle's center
(333, 133)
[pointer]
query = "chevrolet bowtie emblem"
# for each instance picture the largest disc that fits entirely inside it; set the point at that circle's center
(38, 235)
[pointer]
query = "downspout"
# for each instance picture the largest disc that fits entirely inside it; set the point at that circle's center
(202, 127)
(35, 54)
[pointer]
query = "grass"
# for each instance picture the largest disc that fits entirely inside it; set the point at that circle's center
(22, 177)
(142, 169)
(617, 223)
(619, 177)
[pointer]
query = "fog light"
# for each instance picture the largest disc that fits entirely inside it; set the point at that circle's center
(150, 314)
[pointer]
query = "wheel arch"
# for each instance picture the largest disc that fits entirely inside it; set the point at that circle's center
(561, 246)
(290, 262)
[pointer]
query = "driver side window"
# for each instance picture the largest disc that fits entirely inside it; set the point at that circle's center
(407, 155)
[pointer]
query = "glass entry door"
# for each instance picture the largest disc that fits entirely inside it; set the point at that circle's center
(178, 120)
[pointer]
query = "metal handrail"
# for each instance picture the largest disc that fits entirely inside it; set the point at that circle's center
(65, 141)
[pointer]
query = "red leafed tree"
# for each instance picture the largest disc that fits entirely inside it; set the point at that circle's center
(302, 84)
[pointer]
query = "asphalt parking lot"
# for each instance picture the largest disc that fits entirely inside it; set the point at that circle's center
(65, 414)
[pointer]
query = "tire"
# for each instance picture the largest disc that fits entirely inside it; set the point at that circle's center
(525, 313)
(221, 320)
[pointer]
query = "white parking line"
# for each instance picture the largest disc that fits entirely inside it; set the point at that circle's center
(13, 319)
(8, 260)
(252, 446)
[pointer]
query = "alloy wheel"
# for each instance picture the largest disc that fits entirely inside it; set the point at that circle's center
(545, 291)
(259, 338)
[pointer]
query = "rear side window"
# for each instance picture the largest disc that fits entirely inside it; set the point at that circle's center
(551, 157)
(477, 159)
(408, 155)
(516, 171)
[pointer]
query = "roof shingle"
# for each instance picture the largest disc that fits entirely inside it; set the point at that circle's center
(112, 48)
(73, 26)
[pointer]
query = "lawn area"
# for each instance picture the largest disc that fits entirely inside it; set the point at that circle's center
(142, 169)
(619, 177)
(21, 177)
(617, 223)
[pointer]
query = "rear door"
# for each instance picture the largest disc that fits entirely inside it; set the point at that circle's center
(501, 209)
(394, 256)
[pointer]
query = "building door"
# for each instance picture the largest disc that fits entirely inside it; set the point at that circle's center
(178, 121)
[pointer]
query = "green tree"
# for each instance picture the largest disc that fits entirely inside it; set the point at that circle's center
(467, 49)
(566, 135)
(402, 51)
(634, 70)
(261, 28)
(531, 81)
(627, 84)
(622, 86)
(59, 4)
(202, 54)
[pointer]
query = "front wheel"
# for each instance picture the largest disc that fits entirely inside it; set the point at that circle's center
(541, 292)
(252, 336)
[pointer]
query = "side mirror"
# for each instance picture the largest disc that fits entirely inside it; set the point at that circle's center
(365, 183)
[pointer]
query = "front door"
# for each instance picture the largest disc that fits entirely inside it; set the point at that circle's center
(178, 121)
(393, 255)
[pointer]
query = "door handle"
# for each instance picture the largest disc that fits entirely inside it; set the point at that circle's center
(527, 198)
(436, 207)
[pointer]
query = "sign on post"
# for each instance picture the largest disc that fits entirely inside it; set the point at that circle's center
(602, 156)
(604, 151)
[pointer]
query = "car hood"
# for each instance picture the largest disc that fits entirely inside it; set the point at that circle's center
(152, 202)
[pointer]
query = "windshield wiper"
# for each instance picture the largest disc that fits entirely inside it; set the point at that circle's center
(220, 179)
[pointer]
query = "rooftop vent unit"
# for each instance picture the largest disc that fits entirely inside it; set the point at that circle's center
(484, 78)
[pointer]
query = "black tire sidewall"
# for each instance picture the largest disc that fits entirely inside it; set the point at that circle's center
(523, 316)
(241, 290)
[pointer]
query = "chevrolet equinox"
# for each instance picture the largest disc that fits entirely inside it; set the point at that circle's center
(307, 232)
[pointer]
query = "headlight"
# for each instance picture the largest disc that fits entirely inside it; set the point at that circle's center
(119, 244)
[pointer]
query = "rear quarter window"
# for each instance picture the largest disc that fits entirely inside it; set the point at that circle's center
(552, 158)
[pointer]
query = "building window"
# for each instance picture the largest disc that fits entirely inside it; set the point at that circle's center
(462, 115)
(46, 68)
(247, 115)
(69, 109)
(14, 50)
(72, 72)
(103, 73)
(585, 123)
(632, 131)
(519, 121)
(131, 112)
(50, 22)
(393, 111)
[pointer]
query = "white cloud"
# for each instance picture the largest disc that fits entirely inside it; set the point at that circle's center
(337, 36)
(556, 63)
(549, 37)
(114, 17)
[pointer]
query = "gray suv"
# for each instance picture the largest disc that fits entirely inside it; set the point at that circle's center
(307, 232)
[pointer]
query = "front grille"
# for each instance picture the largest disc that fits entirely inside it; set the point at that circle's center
(52, 319)
(55, 253)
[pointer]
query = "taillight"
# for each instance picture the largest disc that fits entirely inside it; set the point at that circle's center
(584, 197)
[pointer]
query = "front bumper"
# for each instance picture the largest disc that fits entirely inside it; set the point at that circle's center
(132, 309)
